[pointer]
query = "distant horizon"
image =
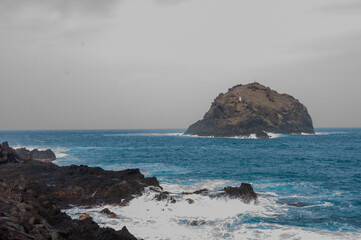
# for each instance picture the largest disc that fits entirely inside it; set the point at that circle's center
(101, 129)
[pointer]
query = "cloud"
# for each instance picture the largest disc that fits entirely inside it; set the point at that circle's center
(63, 7)
(344, 7)
(171, 2)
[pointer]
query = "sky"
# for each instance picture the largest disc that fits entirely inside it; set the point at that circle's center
(132, 64)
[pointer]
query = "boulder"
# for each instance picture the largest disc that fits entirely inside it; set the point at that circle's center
(43, 156)
(108, 212)
(37, 155)
(244, 192)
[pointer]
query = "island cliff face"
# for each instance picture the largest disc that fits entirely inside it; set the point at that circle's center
(253, 109)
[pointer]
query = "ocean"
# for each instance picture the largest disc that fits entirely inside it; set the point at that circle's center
(308, 185)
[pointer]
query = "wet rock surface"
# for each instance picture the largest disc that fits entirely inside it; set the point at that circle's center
(253, 109)
(8, 154)
(110, 214)
(244, 193)
(37, 155)
(32, 194)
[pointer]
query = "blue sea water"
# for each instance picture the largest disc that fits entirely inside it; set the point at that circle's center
(307, 183)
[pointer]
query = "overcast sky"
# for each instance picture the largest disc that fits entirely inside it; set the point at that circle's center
(117, 64)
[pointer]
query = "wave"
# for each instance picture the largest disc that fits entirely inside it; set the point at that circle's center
(329, 133)
(206, 218)
(251, 136)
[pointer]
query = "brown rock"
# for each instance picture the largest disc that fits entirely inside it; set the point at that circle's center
(84, 216)
(108, 212)
(253, 109)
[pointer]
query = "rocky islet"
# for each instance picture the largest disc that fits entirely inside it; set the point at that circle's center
(253, 109)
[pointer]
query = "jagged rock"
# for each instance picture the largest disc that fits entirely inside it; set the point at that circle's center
(126, 234)
(244, 192)
(42, 156)
(8, 154)
(32, 194)
(201, 191)
(190, 201)
(253, 109)
(165, 196)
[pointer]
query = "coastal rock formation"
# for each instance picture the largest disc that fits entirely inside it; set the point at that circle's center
(37, 155)
(11, 155)
(8, 154)
(32, 194)
(253, 109)
(245, 192)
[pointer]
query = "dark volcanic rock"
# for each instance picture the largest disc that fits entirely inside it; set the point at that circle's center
(8, 154)
(245, 192)
(253, 109)
(32, 194)
(42, 156)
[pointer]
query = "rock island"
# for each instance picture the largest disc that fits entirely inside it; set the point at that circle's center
(253, 109)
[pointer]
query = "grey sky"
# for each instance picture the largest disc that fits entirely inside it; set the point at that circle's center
(70, 64)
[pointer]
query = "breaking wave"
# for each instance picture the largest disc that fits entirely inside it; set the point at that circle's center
(204, 218)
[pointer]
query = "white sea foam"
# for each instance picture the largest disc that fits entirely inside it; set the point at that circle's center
(275, 135)
(251, 136)
(275, 231)
(206, 218)
(59, 152)
(328, 133)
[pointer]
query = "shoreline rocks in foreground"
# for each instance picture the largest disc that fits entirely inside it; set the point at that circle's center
(253, 109)
(33, 193)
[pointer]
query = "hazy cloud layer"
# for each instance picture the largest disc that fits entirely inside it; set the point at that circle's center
(348, 6)
(63, 7)
(139, 64)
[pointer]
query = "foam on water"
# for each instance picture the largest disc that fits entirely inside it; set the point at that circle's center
(206, 218)
(251, 136)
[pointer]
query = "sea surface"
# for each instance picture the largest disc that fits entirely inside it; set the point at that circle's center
(309, 186)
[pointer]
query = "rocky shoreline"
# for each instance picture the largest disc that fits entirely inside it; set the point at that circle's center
(33, 193)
